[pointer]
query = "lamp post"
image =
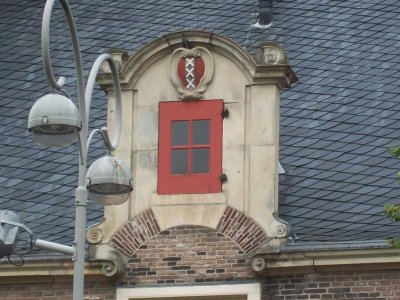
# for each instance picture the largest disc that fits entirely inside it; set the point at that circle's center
(55, 121)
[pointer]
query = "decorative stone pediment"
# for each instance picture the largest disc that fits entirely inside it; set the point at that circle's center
(271, 54)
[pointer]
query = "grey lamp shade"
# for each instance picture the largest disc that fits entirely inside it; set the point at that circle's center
(109, 181)
(54, 121)
(8, 233)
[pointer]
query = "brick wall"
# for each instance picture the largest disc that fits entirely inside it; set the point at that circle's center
(57, 288)
(187, 254)
(376, 285)
(173, 269)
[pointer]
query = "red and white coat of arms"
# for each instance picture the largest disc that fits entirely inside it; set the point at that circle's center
(190, 71)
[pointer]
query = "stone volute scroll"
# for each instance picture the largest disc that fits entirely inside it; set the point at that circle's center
(190, 71)
(271, 53)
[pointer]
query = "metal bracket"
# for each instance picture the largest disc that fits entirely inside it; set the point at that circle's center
(223, 178)
(74, 255)
(225, 113)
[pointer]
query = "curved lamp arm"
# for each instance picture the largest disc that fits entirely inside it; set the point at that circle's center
(76, 49)
(111, 145)
(104, 135)
(84, 97)
(78, 67)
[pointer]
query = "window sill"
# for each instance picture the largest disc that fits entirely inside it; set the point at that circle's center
(187, 199)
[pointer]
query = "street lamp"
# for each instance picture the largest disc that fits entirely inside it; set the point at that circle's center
(55, 121)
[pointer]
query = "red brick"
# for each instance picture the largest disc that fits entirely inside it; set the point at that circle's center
(362, 289)
(180, 262)
(60, 289)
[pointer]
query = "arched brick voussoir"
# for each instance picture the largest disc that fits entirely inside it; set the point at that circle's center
(241, 229)
(234, 224)
(135, 233)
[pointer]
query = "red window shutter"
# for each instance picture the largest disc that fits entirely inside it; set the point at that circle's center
(193, 178)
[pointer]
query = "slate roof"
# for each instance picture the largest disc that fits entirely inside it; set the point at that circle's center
(336, 122)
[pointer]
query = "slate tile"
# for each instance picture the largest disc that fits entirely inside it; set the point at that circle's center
(346, 100)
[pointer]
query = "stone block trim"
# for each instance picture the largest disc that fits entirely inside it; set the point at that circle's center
(241, 229)
(187, 255)
(135, 233)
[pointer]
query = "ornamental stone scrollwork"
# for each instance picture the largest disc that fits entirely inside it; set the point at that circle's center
(112, 268)
(271, 54)
(110, 262)
(280, 231)
(190, 71)
(94, 235)
(257, 263)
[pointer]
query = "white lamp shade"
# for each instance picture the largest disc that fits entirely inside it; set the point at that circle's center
(109, 181)
(54, 121)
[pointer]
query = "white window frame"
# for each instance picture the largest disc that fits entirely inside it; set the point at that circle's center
(251, 290)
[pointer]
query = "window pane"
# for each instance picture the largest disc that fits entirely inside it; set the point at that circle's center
(179, 161)
(180, 133)
(201, 160)
(201, 132)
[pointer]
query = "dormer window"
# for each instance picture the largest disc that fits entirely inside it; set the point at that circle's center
(190, 147)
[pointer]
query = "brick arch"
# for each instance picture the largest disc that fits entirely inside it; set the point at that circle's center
(233, 224)
(241, 229)
(135, 233)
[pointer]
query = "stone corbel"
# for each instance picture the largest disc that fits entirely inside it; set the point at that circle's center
(282, 234)
(111, 262)
(282, 229)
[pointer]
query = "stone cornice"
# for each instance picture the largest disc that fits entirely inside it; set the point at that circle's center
(333, 260)
(280, 75)
(43, 269)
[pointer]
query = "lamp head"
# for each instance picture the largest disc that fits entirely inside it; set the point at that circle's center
(8, 232)
(109, 181)
(54, 121)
